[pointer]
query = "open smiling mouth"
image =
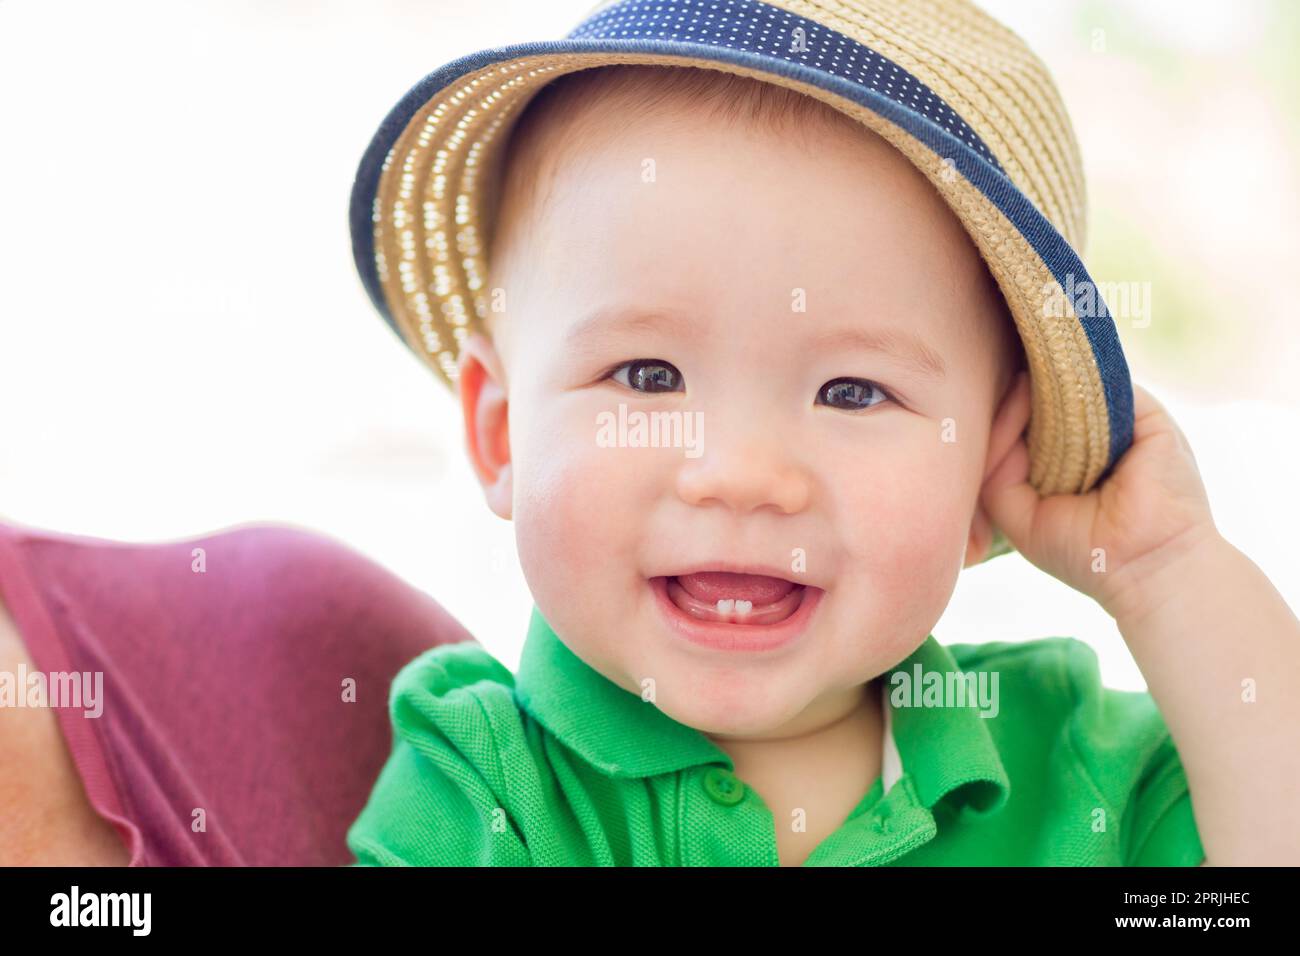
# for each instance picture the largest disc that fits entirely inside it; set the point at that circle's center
(735, 611)
(735, 598)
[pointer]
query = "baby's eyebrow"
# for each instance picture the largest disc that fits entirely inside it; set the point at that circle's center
(603, 323)
(900, 343)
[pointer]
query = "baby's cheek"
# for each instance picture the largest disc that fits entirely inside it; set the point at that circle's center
(572, 527)
(910, 529)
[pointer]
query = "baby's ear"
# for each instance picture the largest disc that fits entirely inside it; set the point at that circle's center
(980, 539)
(1006, 437)
(485, 405)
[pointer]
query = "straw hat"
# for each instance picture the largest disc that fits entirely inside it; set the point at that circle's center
(955, 91)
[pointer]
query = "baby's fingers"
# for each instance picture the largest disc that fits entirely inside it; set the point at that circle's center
(1151, 416)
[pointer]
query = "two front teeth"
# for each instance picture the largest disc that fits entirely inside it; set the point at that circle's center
(728, 605)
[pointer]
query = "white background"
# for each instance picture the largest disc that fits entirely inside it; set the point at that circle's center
(185, 346)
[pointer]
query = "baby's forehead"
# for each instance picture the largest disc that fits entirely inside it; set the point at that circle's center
(587, 111)
(753, 148)
(628, 171)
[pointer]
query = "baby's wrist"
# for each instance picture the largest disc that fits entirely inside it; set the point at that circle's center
(1167, 574)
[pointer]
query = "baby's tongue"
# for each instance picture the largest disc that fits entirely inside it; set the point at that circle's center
(713, 586)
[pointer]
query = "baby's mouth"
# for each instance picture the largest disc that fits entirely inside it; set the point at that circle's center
(735, 598)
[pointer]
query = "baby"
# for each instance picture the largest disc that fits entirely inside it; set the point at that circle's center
(730, 660)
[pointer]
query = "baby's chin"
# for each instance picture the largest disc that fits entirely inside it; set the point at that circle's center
(733, 707)
(753, 726)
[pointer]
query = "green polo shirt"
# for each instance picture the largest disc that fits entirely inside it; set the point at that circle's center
(557, 765)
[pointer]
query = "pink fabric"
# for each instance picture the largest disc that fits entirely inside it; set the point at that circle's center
(222, 690)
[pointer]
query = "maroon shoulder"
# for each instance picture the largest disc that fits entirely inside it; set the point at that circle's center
(246, 676)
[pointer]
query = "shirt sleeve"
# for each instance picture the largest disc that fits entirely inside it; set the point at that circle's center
(1126, 749)
(438, 800)
(1161, 827)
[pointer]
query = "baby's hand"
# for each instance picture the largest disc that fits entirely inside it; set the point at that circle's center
(1150, 509)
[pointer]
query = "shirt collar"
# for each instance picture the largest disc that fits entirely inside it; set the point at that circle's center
(942, 749)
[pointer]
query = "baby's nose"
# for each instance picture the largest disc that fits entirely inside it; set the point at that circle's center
(745, 474)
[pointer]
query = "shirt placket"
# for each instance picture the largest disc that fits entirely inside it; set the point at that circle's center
(725, 823)
(894, 827)
(722, 822)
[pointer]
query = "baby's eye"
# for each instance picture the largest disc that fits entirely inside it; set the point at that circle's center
(648, 375)
(851, 394)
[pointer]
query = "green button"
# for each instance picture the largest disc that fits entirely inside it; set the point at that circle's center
(723, 786)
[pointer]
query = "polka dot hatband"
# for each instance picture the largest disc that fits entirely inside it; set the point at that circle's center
(955, 91)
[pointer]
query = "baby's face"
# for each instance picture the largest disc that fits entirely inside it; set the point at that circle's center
(771, 269)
